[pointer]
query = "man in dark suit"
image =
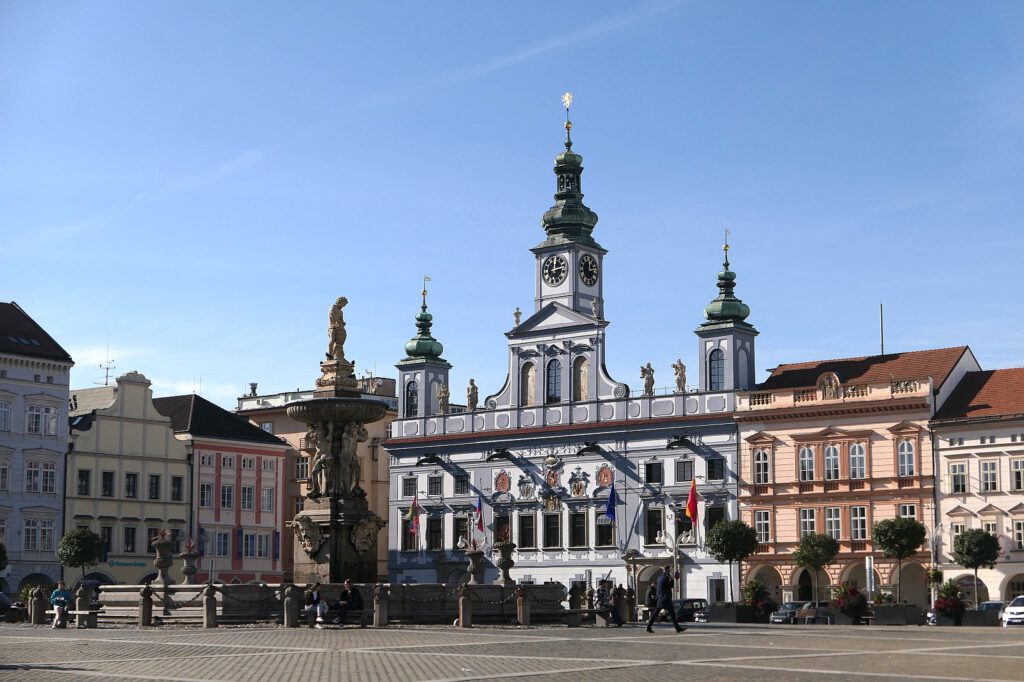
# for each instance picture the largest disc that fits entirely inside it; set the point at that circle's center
(665, 585)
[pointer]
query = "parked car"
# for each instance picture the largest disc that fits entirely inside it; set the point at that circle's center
(1013, 613)
(786, 613)
(694, 610)
(994, 605)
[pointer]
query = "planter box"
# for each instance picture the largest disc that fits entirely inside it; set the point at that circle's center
(730, 613)
(898, 615)
(989, 618)
(945, 621)
(841, 618)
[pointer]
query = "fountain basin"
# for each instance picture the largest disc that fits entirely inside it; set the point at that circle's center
(337, 410)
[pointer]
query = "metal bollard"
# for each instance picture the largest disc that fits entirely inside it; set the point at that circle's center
(380, 605)
(209, 607)
(523, 606)
(146, 606)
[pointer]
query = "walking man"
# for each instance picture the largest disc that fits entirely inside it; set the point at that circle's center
(665, 585)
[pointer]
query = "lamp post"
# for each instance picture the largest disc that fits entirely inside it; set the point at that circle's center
(667, 539)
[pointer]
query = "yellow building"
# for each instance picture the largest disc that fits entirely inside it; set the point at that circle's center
(128, 477)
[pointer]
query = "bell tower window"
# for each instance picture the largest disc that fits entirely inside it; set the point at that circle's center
(716, 370)
(554, 382)
(412, 394)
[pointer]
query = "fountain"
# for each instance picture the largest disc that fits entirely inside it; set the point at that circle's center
(336, 533)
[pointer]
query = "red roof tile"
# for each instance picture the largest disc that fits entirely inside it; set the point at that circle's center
(995, 393)
(936, 364)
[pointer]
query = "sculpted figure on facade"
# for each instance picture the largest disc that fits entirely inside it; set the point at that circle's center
(336, 331)
(647, 374)
(443, 395)
(472, 395)
(348, 459)
(364, 533)
(680, 369)
(321, 474)
(517, 315)
(830, 387)
(307, 534)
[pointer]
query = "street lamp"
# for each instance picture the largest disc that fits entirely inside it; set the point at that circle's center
(674, 546)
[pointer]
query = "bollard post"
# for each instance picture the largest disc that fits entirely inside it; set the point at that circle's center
(380, 605)
(619, 603)
(37, 607)
(292, 605)
(82, 602)
(631, 605)
(209, 606)
(522, 606)
(465, 609)
(146, 606)
(573, 619)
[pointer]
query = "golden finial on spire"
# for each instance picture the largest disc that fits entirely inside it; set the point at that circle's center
(567, 102)
(426, 278)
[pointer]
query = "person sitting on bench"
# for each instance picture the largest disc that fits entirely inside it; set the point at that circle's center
(60, 598)
(603, 600)
(348, 600)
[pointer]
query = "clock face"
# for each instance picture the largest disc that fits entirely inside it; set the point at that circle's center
(588, 269)
(555, 269)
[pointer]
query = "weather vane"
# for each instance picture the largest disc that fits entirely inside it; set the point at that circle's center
(426, 278)
(567, 102)
(726, 245)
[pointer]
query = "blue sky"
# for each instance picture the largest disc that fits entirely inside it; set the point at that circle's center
(197, 182)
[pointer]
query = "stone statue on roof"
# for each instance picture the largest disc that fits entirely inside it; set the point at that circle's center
(336, 331)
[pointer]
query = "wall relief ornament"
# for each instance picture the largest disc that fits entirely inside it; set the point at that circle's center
(578, 481)
(552, 478)
(502, 482)
(307, 534)
(364, 533)
(604, 476)
(527, 488)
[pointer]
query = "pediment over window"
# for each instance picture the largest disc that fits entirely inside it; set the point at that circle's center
(761, 438)
(960, 510)
(554, 316)
(832, 433)
(906, 428)
(989, 509)
(1016, 509)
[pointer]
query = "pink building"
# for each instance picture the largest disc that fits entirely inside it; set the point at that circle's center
(238, 488)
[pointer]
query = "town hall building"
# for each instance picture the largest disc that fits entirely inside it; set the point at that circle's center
(542, 454)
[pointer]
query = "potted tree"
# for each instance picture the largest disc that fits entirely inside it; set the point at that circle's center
(899, 539)
(850, 603)
(976, 549)
(80, 548)
(731, 541)
(949, 607)
(756, 596)
(815, 552)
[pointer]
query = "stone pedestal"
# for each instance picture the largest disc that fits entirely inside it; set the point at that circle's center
(209, 607)
(505, 563)
(346, 548)
(37, 606)
(380, 605)
(475, 570)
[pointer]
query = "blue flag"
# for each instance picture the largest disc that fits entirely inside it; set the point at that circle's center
(609, 509)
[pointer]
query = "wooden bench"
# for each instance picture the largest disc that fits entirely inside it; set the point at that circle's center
(602, 617)
(90, 615)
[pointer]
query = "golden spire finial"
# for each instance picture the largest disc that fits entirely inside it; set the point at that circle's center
(426, 278)
(567, 102)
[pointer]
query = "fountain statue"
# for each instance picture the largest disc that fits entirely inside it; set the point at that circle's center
(336, 533)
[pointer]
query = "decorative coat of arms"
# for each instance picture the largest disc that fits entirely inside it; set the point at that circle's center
(502, 482)
(552, 478)
(364, 533)
(526, 488)
(604, 476)
(578, 482)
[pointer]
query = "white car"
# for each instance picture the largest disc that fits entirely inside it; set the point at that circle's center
(1013, 613)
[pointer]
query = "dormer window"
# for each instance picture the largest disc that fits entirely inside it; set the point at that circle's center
(716, 370)
(554, 382)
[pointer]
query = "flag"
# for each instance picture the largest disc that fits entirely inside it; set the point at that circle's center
(691, 502)
(609, 509)
(479, 514)
(413, 517)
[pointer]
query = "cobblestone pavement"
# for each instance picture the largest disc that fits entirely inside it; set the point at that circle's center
(706, 652)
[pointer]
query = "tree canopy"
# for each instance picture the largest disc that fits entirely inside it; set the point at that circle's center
(80, 548)
(815, 552)
(731, 541)
(899, 539)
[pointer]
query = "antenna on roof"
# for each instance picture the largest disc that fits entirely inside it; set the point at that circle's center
(106, 366)
(881, 326)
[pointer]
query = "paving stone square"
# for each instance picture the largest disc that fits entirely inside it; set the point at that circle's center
(434, 654)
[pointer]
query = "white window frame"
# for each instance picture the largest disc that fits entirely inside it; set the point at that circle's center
(762, 525)
(908, 511)
(762, 467)
(858, 523)
(249, 545)
(49, 477)
(833, 524)
(805, 456)
(46, 527)
(831, 462)
(5, 474)
(808, 522)
(5, 415)
(30, 535)
(267, 464)
(206, 494)
(858, 461)
(248, 498)
(33, 476)
(989, 475)
(223, 543)
(227, 461)
(267, 499)
(263, 546)
(906, 452)
(958, 472)
(248, 462)
(1017, 474)
(301, 468)
(1018, 534)
(227, 496)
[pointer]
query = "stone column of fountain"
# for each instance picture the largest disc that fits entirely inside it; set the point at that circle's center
(336, 533)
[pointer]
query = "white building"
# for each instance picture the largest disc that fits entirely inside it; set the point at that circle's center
(34, 373)
(979, 437)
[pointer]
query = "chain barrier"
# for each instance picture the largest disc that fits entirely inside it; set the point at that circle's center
(273, 596)
(404, 595)
(544, 602)
(501, 602)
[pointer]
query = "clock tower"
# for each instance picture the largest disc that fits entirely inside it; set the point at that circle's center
(569, 261)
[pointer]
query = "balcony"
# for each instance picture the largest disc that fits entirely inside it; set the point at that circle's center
(807, 487)
(800, 397)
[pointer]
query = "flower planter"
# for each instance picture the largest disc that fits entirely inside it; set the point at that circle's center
(841, 618)
(731, 613)
(945, 621)
(898, 615)
(987, 618)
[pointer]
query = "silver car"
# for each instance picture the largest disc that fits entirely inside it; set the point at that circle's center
(1013, 613)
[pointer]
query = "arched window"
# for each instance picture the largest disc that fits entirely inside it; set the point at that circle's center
(33, 476)
(716, 370)
(761, 467)
(580, 378)
(5, 474)
(527, 391)
(905, 459)
(831, 462)
(806, 464)
(858, 462)
(553, 389)
(49, 477)
(412, 397)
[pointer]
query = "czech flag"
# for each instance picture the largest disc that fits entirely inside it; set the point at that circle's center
(479, 514)
(413, 517)
(691, 502)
